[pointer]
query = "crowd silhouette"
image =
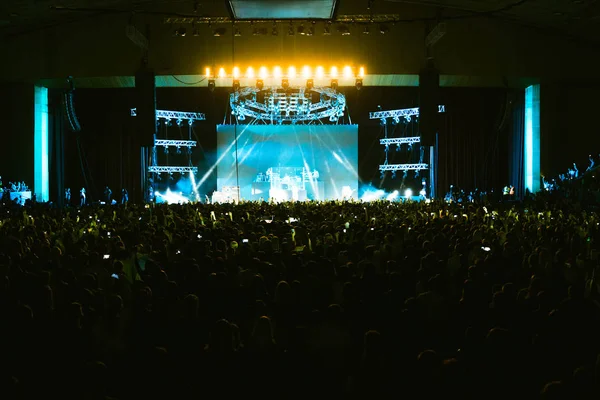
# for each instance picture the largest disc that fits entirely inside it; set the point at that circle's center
(337, 299)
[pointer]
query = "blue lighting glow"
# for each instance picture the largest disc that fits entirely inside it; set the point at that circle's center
(532, 138)
(289, 162)
(41, 182)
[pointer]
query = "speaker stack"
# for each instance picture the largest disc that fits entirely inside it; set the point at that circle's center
(429, 101)
(145, 87)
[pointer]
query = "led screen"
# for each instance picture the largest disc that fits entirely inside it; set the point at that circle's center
(289, 162)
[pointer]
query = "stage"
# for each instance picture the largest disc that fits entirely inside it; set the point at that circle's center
(288, 162)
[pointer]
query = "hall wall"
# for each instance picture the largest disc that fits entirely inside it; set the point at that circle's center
(570, 127)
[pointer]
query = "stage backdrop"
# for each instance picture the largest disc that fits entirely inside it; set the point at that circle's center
(330, 150)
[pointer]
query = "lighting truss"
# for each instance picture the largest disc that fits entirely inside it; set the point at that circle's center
(360, 18)
(169, 170)
(174, 143)
(179, 116)
(403, 167)
(293, 105)
(404, 113)
(407, 140)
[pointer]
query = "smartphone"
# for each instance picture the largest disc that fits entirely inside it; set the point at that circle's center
(199, 236)
(372, 229)
(115, 276)
(486, 249)
(106, 256)
(244, 240)
(344, 231)
(107, 233)
(178, 252)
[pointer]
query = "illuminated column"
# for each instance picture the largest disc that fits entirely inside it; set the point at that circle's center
(532, 139)
(41, 183)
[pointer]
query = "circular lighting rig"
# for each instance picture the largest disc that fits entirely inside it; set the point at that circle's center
(287, 105)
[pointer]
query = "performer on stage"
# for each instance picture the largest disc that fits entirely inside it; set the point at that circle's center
(82, 197)
(124, 196)
(68, 196)
(107, 195)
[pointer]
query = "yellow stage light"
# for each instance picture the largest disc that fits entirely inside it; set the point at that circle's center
(361, 72)
(263, 73)
(334, 72)
(306, 72)
(222, 73)
(347, 72)
(236, 73)
(250, 73)
(291, 72)
(207, 72)
(277, 72)
(320, 73)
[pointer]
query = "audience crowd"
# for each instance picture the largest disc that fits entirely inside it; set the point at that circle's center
(340, 300)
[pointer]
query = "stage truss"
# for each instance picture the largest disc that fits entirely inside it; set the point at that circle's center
(156, 169)
(403, 167)
(406, 113)
(178, 116)
(279, 105)
(399, 141)
(174, 143)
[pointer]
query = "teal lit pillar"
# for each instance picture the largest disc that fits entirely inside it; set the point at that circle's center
(41, 181)
(531, 168)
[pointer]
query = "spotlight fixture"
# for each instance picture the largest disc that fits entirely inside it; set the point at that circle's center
(285, 84)
(366, 30)
(236, 85)
(311, 30)
(310, 84)
(274, 31)
(196, 32)
(343, 30)
(301, 30)
(219, 32)
(260, 84)
(358, 83)
(182, 32)
(211, 85)
(237, 32)
(383, 29)
(327, 30)
(291, 31)
(334, 84)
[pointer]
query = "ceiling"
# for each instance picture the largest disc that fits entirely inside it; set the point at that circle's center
(576, 18)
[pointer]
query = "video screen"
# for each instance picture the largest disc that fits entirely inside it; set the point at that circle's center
(289, 162)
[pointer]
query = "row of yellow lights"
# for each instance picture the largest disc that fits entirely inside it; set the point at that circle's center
(307, 73)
